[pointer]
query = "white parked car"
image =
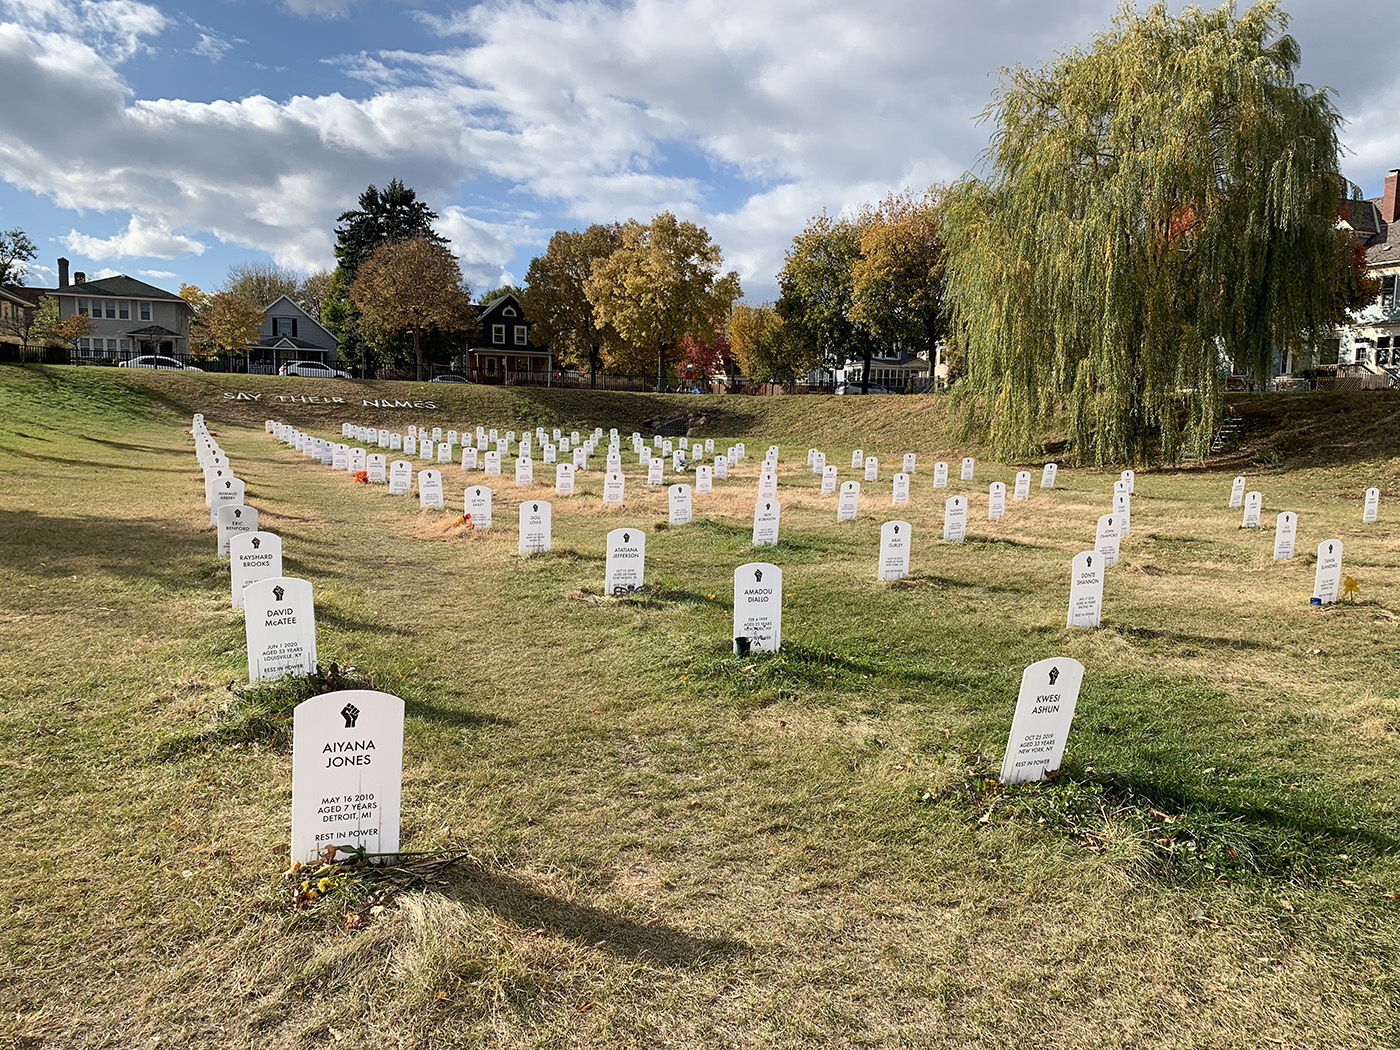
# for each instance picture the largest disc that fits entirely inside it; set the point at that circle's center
(156, 361)
(311, 369)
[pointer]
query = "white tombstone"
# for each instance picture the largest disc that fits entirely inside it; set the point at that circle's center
(683, 442)
(857, 459)
(1123, 510)
(1085, 590)
(340, 457)
(614, 460)
(1237, 492)
(895, 540)
(524, 472)
(1107, 538)
(430, 489)
(1022, 490)
(564, 479)
(437, 433)
(444, 452)
(235, 519)
(253, 556)
(668, 447)
(848, 504)
(614, 488)
(819, 463)
(1120, 486)
(828, 479)
(655, 471)
(625, 569)
(811, 457)
(452, 437)
(426, 450)
(347, 774)
(396, 443)
(1253, 504)
(493, 434)
(996, 500)
(493, 463)
(872, 469)
(227, 493)
(376, 468)
(212, 477)
(678, 460)
(551, 453)
(1047, 475)
(1327, 582)
(901, 490)
(1040, 727)
(400, 477)
(704, 478)
(1131, 479)
(279, 620)
(940, 475)
(909, 458)
(722, 467)
(739, 450)
(536, 534)
(468, 457)
(680, 503)
(766, 513)
(1373, 506)
(1285, 535)
(476, 504)
(768, 485)
(955, 518)
(758, 608)
(580, 459)
(968, 465)
(573, 437)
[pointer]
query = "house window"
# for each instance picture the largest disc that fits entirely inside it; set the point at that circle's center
(1361, 354)
(82, 306)
(491, 365)
(498, 333)
(112, 309)
(520, 339)
(1389, 299)
(145, 311)
(83, 345)
(284, 326)
(124, 310)
(508, 311)
(1328, 351)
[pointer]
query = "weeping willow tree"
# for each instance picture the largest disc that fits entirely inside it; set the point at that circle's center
(1157, 208)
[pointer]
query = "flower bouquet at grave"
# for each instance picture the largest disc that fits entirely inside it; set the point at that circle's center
(362, 477)
(464, 520)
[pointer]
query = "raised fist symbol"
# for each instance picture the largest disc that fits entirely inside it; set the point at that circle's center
(350, 713)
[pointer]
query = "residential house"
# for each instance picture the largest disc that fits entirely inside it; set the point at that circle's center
(130, 318)
(289, 333)
(17, 310)
(1372, 342)
(893, 368)
(503, 352)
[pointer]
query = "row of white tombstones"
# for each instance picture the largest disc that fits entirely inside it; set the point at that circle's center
(1253, 503)
(399, 475)
(347, 759)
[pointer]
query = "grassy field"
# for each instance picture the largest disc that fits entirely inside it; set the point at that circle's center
(662, 845)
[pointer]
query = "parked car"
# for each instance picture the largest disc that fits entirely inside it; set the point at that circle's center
(854, 388)
(450, 378)
(312, 370)
(156, 361)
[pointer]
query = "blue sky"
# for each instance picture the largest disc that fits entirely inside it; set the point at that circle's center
(169, 140)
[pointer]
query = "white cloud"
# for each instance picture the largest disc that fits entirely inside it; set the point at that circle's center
(747, 117)
(158, 275)
(321, 8)
(139, 240)
(212, 46)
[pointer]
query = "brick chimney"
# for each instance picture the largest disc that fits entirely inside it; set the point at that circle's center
(63, 273)
(79, 277)
(1390, 203)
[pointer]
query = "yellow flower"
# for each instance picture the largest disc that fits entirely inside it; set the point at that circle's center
(323, 884)
(1350, 586)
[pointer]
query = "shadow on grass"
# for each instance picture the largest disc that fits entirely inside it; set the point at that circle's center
(1190, 832)
(80, 544)
(519, 903)
(1157, 634)
(87, 464)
